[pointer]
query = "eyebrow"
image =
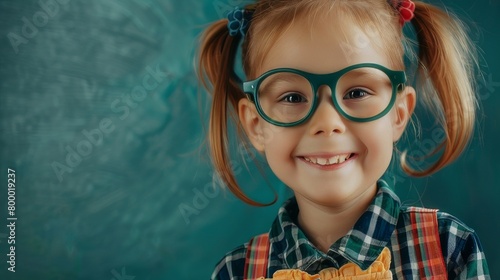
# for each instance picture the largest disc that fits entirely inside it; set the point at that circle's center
(366, 71)
(360, 73)
(279, 79)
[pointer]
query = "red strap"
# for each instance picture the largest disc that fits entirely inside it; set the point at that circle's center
(427, 244)
(426, 241)
(257, 257)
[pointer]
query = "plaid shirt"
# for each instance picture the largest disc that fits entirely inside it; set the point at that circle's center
(384, 224)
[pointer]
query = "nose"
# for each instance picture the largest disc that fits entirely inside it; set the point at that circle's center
(326, 120)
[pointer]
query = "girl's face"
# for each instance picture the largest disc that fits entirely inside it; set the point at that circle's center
(301, 156)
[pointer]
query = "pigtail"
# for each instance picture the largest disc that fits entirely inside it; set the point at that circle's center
(216, 63)
(446, 74)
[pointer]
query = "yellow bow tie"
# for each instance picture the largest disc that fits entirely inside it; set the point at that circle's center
(350, 271)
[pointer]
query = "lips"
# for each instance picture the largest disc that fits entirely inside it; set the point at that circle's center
(327, 161)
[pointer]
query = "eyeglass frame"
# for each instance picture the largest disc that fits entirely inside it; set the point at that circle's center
(397, 78)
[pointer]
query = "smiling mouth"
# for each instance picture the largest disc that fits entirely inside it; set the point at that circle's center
(338, 159)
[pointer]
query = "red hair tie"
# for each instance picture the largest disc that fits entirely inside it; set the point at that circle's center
(406, 8)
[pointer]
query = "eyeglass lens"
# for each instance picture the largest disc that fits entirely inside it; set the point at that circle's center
(288, 97)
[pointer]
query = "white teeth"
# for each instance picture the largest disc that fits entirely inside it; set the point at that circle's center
(328, 161)
(335, 159)
(321, 161)
(342, 159)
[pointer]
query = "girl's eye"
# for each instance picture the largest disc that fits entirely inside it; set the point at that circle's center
(293, 98)
(356, 94)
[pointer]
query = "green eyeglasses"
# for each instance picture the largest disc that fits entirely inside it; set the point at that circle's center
(361, 93)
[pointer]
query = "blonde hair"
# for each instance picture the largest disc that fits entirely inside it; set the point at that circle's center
(446, 64)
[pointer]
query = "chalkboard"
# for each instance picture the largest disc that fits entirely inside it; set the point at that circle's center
(103, 128)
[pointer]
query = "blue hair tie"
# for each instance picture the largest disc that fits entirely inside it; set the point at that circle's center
(239, 21)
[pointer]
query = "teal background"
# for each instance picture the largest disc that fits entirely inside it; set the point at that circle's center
(114, 81)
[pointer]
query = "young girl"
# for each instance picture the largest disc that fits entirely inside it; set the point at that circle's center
(325, 99)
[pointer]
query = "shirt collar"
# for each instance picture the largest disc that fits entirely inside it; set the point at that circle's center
(362, 244)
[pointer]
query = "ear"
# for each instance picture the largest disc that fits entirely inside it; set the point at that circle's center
(251, 123)
(405, 104)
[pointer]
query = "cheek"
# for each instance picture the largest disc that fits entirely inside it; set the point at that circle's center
(279, 144)
(270, 135)
(377, 139)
